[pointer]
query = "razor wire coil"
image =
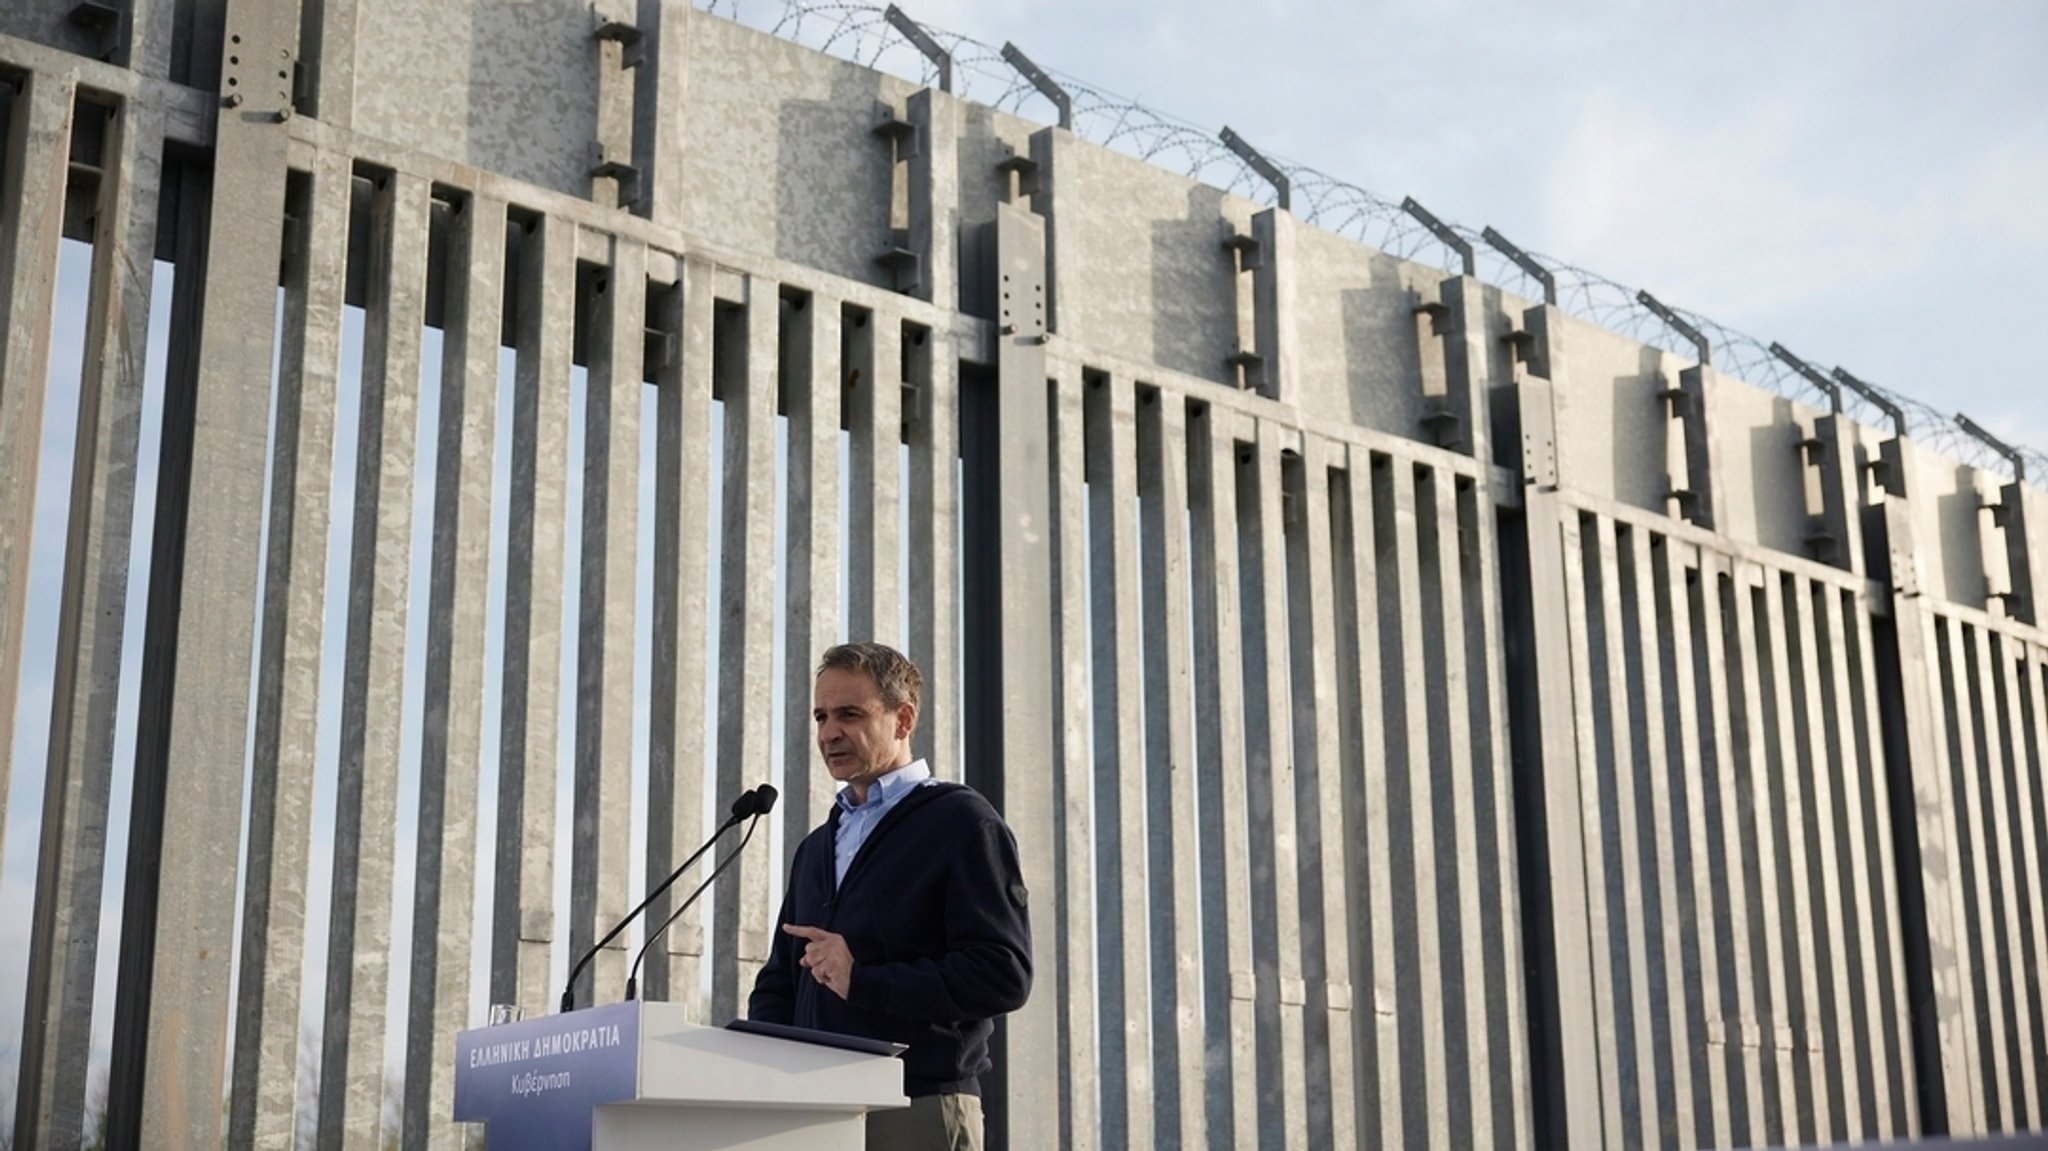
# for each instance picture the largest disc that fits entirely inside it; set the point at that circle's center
(861, 32)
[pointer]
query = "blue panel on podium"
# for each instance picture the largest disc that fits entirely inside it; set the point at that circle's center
(537, 1082)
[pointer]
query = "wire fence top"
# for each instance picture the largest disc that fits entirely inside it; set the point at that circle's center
(862, 33)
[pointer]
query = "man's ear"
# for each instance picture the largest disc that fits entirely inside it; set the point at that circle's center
(906, 720)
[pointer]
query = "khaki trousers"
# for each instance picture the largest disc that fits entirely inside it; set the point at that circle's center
(930, 1123)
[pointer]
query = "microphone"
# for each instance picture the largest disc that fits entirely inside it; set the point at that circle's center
(749, 804)
(767, 804)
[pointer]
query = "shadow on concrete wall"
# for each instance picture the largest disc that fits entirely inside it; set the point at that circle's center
(1382, 352)
(831, 171)
(1495, 372)
(1194, 294)
(1638, 458)
(1778, 479)
(1961, 547)
(532, 93)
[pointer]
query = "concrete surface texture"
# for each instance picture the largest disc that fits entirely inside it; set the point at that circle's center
(1427, 717)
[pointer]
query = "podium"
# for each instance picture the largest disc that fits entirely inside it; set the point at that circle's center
(636, 1077)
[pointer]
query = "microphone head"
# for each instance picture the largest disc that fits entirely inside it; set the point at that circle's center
(746, 805)
(767, 794)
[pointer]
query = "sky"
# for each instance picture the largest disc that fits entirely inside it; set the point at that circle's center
(1861, 181)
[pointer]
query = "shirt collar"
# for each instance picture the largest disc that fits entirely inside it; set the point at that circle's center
(888, 787)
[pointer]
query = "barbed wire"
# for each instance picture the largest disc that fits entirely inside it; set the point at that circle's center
(861, 32)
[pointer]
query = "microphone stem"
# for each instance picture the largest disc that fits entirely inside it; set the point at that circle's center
(569, 987)
(634, 974)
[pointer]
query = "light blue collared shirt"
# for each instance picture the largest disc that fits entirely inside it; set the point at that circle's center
(857, 820)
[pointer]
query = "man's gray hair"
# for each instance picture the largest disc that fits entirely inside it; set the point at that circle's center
(898, 678)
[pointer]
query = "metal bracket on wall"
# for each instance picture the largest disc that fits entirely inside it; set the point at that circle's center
(1905, 574)
(627, 37)
(1257, 161)
(1444, 234)
(1249, 367)
(1677, 403)
(900, 133)
(905, 268)
(1519, 341)
(1250, 255)
(1019, 173)
(1524, 261)
(625, 175)
(1700, 343)
(1821, 544)
(923, 42)
(252, 74)
(1443, 425)
(1047, 87)
(1830, 388)
(2012, 455)
(1876, 399)
(1436, 312)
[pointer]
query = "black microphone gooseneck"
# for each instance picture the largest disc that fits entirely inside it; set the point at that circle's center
(748, 804)
(633, 976)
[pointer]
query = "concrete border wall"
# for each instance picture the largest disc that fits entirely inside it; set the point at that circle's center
(1427, 718)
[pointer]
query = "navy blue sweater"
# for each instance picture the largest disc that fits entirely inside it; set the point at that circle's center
(933, 909)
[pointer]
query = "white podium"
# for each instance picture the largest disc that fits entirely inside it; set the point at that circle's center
(636, 1077)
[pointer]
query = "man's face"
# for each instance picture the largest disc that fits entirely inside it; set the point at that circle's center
(859, 737)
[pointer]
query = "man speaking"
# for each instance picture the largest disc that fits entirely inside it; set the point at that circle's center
(904, 917)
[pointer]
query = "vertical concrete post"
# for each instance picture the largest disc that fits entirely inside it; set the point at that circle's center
(935, 196)
(373, 697)
(1931, 884)
(2022, 594)
(934, 527)
(1052, 150)
(166, 1086)
(1564, 1029)
(456, 672)
(659, 106)
(746, 631)
(874, 398)
(1230, 991)
(1281, 994)
(682, 516)
(2029, 547)
(1072, 971)
(1128, 1063)
(608, 553)
(1174, 847)
(536, 547)
(1367, 811)
(1459, 319)
(813, 592)
(286, 754)
(1326, 898)
(1008, 676)
(1837, 534)
(621, 71)
(1835, 1049)
(1698, 488)
(330, 55)
(31, 226)
(1274, 336)
(151, 29)
(86, 681)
